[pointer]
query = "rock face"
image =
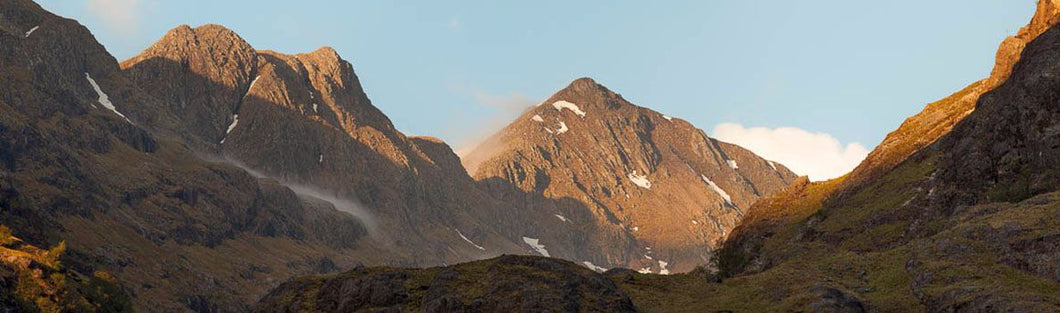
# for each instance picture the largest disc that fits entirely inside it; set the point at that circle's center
(1009, 148)
(661, 192)
(504, 284)
(938, 118)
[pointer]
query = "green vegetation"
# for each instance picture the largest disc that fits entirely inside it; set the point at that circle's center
(35, 281)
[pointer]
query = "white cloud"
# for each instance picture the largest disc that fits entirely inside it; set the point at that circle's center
(817, 155)
(512, 103)
(121, 16)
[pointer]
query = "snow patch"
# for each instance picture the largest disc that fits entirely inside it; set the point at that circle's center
(721, 192)
(235, 121)
(321, 160)
(562, 128)
(640, 180)
(252, 82)
(648, 257)
(694, 222)
(562, 218)
(668, 118)
(646, 270)
(535, 243)
(549, 130)
(315, 108)
(773, 165)
(471, 242)
(593, 267)
(732, 164)
(537, 118)
(560, 105)
(31, 30)
(636, 228)
(104, 99)
(662, 268)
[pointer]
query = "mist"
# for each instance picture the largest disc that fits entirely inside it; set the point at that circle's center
(341, 203)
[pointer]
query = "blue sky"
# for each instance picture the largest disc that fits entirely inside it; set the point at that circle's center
(455, 69)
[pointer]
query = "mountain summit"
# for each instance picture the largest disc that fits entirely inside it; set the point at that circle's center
(652, 182)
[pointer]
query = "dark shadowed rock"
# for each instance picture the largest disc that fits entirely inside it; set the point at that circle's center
(504, 284)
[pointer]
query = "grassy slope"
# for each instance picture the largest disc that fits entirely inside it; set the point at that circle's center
(863, 246)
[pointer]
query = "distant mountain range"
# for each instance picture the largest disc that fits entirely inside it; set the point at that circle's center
(206, 175)
(956, 211)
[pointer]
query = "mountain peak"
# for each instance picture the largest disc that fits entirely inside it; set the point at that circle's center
(204, 34)
(327, 51)
(584, 82)
(584, 86)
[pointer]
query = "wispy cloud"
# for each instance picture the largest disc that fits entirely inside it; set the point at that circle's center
(502, 108)
(817, 155)
(120, 16)
(512, 103)
(454, 23)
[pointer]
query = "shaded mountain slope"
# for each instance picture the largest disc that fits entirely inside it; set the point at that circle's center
(965, 224)
(661, 192)
(77, 164)
(916, 133)
(938, 118)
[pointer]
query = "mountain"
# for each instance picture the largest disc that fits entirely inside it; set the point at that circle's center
(305, 121)
(957, 220)
(917, 133)
(661, 192)
(203, 172)
(938, 118)
(965, 221)
(79, 163)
